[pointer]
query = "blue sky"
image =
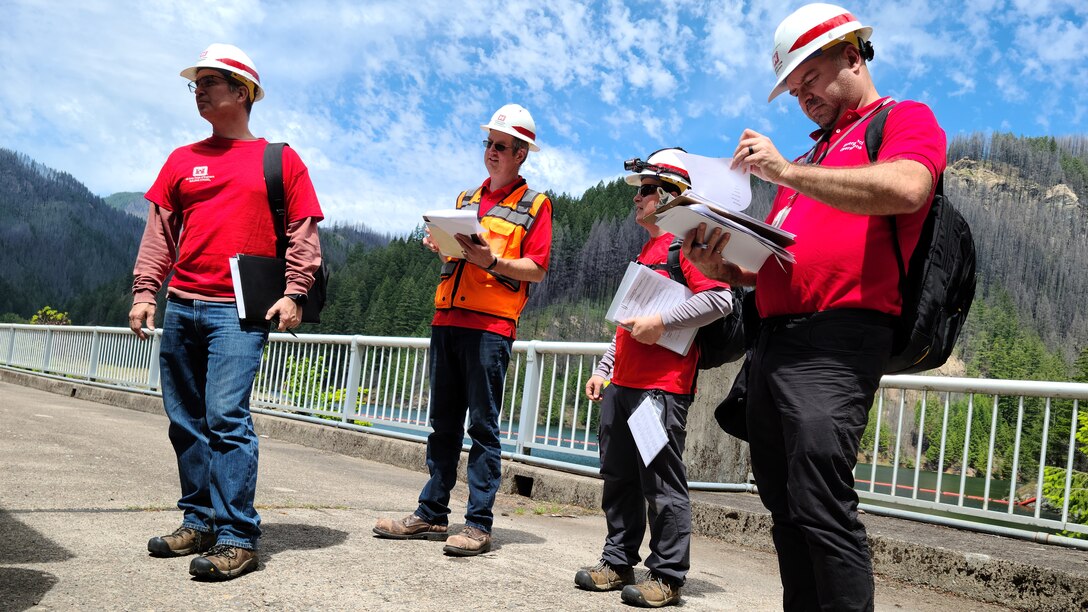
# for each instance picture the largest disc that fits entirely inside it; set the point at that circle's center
(383, 99)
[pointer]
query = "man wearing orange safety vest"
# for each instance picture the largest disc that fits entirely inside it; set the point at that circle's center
(478, 302)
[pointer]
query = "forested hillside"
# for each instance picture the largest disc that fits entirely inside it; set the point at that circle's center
(62, 246)
(58, 241)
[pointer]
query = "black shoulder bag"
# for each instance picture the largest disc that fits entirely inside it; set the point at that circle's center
(273, 180)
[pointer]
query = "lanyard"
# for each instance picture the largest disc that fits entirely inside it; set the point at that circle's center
(810, 157)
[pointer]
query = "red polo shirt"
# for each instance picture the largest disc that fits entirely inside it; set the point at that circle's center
(845, 260)
(649, 366)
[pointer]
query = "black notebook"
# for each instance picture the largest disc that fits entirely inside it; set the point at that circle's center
(259, 282)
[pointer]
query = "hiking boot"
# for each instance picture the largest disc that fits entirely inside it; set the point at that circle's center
(470, 542)
(410, 527)
(653, 591)
(604, 577)
(224, 562)
(184, 541)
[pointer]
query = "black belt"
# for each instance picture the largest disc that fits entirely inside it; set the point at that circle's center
(853, 315)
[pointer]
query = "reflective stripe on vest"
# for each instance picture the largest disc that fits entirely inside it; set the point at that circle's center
(505, 226)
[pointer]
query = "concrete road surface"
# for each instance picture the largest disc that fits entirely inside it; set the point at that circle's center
(84, 485)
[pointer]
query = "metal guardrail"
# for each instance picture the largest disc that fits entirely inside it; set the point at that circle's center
(936, 445)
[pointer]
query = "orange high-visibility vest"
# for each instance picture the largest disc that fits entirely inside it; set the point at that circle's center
(471, 287)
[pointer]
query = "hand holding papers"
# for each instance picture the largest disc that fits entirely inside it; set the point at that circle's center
(717, 196)
(444, 224)
(645, 292)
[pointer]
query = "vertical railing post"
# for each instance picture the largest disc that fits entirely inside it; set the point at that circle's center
(355, 371)
(529, 400)
(92, 360)
(11, 347)
(47, 354)
(153, 367)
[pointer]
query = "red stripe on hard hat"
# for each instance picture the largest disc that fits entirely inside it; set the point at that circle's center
(680, 171)
(240, 66)
(524, 132)
(822, 28)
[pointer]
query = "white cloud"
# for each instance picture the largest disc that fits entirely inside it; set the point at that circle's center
(383, 99)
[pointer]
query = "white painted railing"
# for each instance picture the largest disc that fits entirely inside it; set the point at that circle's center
(940, 444)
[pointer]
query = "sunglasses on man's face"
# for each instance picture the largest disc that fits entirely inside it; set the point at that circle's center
(501, 148)
(648, 190)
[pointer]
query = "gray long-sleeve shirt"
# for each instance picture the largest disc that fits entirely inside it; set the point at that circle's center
(696, 311)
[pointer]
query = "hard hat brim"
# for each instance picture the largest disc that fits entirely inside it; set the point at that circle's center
(863, 33)
(190, 73)
(521, 137)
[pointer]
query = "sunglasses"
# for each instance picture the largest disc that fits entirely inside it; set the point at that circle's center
(648, 190)
(491, 144)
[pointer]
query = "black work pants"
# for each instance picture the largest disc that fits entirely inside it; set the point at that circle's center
(810, 387)
(631, 488)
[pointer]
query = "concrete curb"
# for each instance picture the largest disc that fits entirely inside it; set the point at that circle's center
(1018, 574)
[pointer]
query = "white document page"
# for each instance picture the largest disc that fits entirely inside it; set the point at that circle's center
(645, 292)
(712, 179)
(236, 279)
(647, 430)
(745, 249)
(445, 223)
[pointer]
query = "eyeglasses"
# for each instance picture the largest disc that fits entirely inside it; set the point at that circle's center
(491, 144)
(205, 82)
(648, 190)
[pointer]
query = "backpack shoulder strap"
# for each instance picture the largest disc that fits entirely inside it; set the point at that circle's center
(675, 271)
(874, 131)
(273, 183)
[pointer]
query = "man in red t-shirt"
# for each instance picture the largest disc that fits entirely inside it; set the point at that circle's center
(648, 376)
(826, 330)
(478, 301)
(208, 204)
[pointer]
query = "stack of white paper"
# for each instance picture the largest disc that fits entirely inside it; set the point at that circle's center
(750, 241)
(716, 197)
(643, 292)
(444, 224)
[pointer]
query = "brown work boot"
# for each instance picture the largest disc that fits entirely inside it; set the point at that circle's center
(604, 577)
(184, 541)
(653, 591)
(410, 527)
(470, 542)
(224, 562)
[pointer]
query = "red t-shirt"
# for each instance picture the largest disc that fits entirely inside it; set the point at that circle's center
(537, 246)
(217, 185)
(845, 260)
(649, 366)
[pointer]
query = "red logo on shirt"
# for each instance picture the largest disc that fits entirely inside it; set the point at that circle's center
(200, 171)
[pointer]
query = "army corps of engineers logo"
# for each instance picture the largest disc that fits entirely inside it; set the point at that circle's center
(200, 175)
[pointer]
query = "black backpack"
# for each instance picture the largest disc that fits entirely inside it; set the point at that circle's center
(938, 290)
(722, 340)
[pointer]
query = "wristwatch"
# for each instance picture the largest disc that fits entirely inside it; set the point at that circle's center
(298, 298)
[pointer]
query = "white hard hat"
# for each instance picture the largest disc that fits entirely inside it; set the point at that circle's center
(230, 58)
(513, 119)
(663, 164)
(807, 30)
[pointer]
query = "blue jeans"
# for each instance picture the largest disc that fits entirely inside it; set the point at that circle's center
(208, 362)
(468, 367)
